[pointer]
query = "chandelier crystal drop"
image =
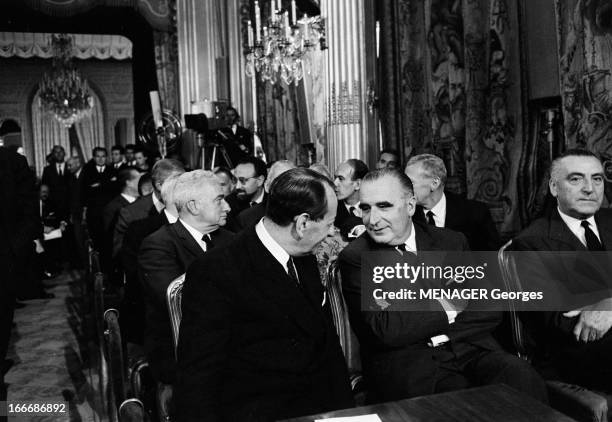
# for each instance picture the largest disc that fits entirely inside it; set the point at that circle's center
(63, 92)
(278, 50)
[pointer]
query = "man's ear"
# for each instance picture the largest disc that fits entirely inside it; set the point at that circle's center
(260, 180)
(301, 224)
(411, 205)
(357, 184)
(435, 183)
(192, 207)
(552, 185)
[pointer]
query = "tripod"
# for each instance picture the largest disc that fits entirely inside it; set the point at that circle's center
(218, 152)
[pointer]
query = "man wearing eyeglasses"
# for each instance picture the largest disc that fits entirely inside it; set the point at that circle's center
(250, 174)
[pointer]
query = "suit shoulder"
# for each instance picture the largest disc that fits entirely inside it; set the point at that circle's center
(537, 228)
(444, 237)
(352, 252)
(159, 236)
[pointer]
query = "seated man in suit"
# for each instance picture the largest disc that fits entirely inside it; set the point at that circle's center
(257, 341)
(166, 254)
(413, 353)
(444, 209)
(347, 182)
(251, 216)
(146, 205)
(133, 306)
(575, 346)
(127, 179)
(388, 159)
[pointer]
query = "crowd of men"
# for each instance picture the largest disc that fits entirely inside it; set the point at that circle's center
(257, 340)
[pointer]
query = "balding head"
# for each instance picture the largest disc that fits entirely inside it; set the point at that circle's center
(276, 169)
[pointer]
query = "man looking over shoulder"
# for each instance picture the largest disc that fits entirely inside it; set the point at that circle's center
(347, 182)
(444, 209)
(575, 346)
(257, 341)
(411, 353)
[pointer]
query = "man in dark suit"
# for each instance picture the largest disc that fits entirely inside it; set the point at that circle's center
(97, 192)
(250, 175)
(56, 176)
(257, 340)
(166, 254)
(444, 209)
(127, 178)
(117, 163)
(237, 140)
(347, 181)
(19, 226)
(411, 353)
(573, 344)
(251, 216)
(133, 306)
(146, 205)
(75, 230)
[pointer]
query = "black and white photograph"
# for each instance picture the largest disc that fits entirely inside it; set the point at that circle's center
(305, 210)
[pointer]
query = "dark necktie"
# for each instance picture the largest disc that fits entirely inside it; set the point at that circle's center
(208, 240)
(59, 171)
(100, 169)
(352, 211)
(252, 203)
(430, 218)
(292, 273)
(401, 248)
(593, 243)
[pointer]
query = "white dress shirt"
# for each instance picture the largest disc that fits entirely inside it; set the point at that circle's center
(357, 212)
(61, 168)
(159, 206)
(128, 198)
(575, 227)
(272, 245)
(171, 219)
(196, 234)
(410, 244)
(439, 212)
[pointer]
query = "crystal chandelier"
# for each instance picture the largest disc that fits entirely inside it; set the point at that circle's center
(279, 47)
(63, 92)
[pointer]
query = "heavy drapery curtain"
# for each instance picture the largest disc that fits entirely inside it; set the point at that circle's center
(166, 64)
(452, 68)
(47, 132)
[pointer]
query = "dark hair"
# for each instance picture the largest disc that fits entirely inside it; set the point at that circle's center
(227, 172)
(58, 147)
(404, 180)
(118, 148)
(297, 191)
(259, 165)
(360, 168)
(96, 149)
(234, 110)
(130, 146)
(144, 179)
(390, 151)
(125, 175)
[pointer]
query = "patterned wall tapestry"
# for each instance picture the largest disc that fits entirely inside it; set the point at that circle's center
(460, 94)
(584, 28)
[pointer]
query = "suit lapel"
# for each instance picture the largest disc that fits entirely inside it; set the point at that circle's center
(270, 278)
(454, 212)
(560, 232)
(187, 239)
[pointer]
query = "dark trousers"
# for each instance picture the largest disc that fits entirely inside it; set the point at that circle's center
(469, 366)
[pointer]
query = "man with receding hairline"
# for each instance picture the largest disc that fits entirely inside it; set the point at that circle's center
(576, 345)
(412, 353)
(257, 342)
(437, 207)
